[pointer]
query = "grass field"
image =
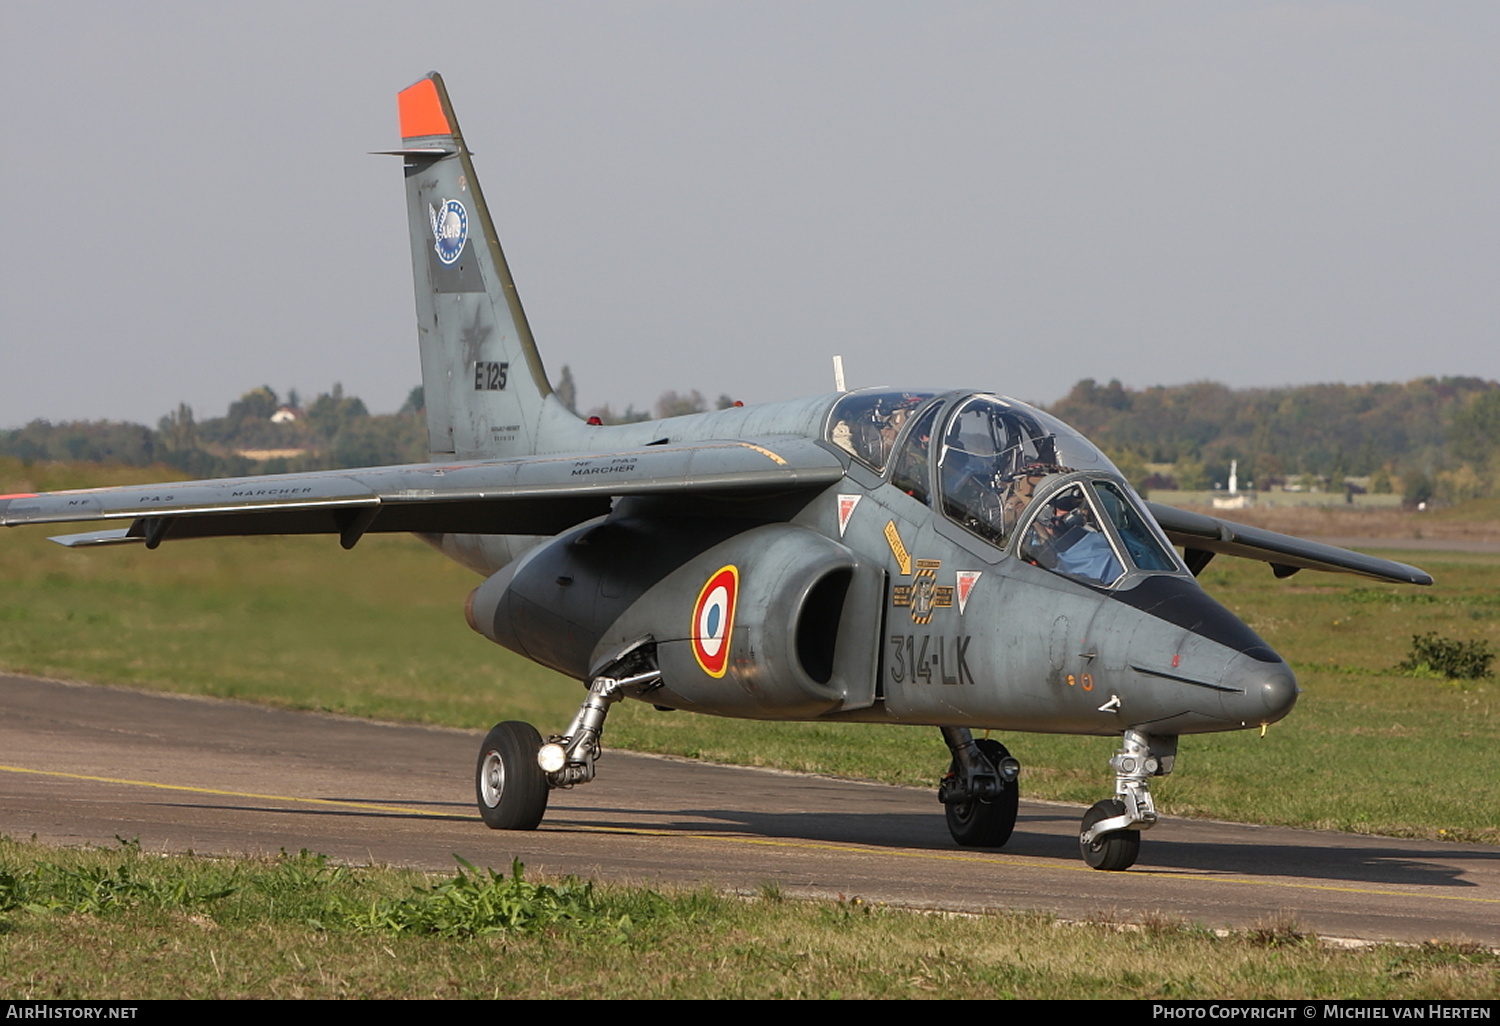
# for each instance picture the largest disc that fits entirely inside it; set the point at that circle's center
(1477, 520)
(378, 632)
(81, 924)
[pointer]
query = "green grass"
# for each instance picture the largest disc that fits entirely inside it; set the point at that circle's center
(24, 476)
(379, 632)
(128, 926)
(1487, 509)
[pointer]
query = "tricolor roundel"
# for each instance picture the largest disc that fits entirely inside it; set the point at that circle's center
(713, 619)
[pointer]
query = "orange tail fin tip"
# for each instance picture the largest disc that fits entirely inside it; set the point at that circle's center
(421, 111)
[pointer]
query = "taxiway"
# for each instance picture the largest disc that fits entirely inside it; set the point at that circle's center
(81, 764)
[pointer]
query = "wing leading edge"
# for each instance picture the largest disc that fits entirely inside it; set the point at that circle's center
(531, 495)
(1203, 536)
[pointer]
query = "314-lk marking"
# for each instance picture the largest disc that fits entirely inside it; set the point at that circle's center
(930, 659)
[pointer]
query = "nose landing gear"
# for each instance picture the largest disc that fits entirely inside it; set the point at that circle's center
(1110, 836)
(1111, 851)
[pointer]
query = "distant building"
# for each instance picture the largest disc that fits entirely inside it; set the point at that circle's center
(261, 455)
(286, 415)
(1235, 499)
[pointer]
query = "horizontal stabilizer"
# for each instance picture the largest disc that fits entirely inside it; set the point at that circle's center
(117, 536)
(1203, 535)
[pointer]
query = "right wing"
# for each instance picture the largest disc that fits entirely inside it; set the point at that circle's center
(528, 495)
(1202, 536)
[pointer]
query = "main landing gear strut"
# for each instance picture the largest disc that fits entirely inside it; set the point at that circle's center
(980, 793)
(516, 770)
(1110, 837)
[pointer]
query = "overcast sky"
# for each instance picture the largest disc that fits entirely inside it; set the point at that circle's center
(721, 195)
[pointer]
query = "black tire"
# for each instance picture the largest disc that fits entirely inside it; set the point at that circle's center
(985, 824)
(508, 784)
(1114, 851)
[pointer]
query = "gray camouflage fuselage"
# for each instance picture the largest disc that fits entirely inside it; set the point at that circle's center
(1026, 649)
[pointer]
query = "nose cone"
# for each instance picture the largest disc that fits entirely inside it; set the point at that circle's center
(1237, 680)
(1267, 690)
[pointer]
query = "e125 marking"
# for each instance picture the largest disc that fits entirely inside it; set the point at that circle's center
(489, 375)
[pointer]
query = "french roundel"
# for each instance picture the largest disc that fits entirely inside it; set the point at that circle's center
(713, 619)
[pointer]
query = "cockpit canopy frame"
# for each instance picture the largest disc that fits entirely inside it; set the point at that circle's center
(990, 465)
(866, 423)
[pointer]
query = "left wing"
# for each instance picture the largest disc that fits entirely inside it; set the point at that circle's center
(529, 495)
(1202, 536)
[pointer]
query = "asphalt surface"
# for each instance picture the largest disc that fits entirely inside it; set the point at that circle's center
(81, 764)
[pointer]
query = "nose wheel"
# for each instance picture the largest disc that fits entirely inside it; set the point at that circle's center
(1112, 851)
(1110, 835)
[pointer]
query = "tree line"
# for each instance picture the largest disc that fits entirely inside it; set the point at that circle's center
(334, 431)
(1430, 439)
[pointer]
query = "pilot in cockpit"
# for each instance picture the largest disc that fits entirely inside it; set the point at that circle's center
(890, 427)
(866, 425)
(1066, 538)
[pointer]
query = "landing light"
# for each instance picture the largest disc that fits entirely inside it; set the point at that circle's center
(552, 758)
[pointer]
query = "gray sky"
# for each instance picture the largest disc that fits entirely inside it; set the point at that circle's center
(722, 195)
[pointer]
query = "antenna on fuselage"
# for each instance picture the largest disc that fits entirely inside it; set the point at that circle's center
(838, 374)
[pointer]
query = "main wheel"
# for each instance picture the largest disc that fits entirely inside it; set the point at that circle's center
(1112, 851)
(508, 783)
(978, 823)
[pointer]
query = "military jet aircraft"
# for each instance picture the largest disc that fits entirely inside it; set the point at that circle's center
(953, 559)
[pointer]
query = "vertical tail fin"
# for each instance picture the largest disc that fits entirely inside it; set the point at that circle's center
(482, 378)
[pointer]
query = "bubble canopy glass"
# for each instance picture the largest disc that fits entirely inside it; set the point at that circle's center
(997, 455)
(865, 423)
(1001, 463)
